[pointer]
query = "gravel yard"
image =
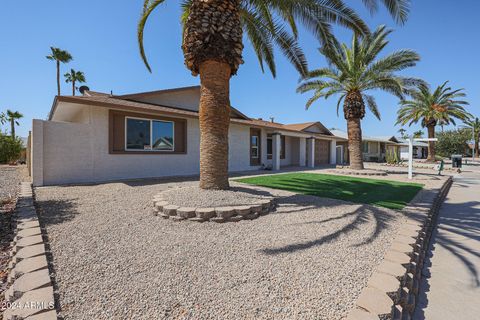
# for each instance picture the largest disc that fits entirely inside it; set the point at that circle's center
(195, 197)
(115, 260)
(10, 178)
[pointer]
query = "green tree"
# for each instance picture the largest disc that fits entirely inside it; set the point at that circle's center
(453, 142)
(13, 117)
(74, 77)
(474, 125)
(3, 118)
(443, 105)
(418, 134)
(59, 56)
(10, 148)
(353, 72)
(212, 47)
(403, 133)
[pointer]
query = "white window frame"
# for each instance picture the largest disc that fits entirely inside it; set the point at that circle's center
(151, 135)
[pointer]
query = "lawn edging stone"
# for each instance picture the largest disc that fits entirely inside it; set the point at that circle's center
(29, 281)
(392, 290)
(236, 213)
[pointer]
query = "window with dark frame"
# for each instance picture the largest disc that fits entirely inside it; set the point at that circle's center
(254, 147)
(149, 135)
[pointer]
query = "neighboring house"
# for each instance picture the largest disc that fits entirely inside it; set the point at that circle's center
(420, 149)
(100, 137)
(374, 148)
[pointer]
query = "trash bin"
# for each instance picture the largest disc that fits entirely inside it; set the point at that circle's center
(456, 160)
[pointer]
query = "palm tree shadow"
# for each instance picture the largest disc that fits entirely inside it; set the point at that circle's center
(362, 215)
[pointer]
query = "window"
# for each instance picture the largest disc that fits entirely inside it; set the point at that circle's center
(373, 147)
(149, 135)
(365, 147)
(254, 146)
(269, 146)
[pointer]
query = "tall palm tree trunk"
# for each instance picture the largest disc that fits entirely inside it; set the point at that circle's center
(354, 111)
(58, 77)
(431, 144)
(12, 127)
(73, 87)
(477, 146)
(214, 122)
(212, 47)
(355, 143)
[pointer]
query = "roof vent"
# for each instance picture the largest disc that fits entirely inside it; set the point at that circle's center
(82, 89)
(272, 119)
(260, 119)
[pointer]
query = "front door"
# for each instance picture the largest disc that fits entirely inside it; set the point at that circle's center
(339, 154)
(255, 147)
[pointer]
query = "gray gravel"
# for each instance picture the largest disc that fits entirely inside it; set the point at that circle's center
(10, 178)
(115, 260)
(192, 196)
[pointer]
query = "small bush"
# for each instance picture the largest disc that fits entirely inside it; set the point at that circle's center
(10, 148)
(391, 156)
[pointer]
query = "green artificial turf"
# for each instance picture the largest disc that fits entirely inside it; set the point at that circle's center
(383, 193)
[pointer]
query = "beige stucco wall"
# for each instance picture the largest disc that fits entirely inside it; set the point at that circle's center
(65, 152)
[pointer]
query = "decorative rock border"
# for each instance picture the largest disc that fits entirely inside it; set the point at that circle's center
(216, 214)
(392, 291)
(30, 294)
(425, 166)
(364, 172)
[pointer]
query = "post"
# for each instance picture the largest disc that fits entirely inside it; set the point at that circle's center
(410, 158)
(333, 152)
(276, 145)
(302, 159)
(311, 154)
(37, 152)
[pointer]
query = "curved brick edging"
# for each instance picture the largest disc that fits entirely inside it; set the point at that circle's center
(30, 292)
(216, 214)
(365, 172)
(392, 290)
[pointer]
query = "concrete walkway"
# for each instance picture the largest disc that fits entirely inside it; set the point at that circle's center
(451, 288)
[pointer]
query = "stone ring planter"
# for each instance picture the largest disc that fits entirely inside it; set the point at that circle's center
(216, 214)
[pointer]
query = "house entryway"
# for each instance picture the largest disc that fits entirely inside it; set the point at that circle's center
(339, 151)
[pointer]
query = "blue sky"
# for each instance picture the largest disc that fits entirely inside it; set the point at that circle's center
(101, 36)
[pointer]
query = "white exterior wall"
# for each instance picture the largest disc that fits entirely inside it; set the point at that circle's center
(288, 152)
(404, 152)
(65, 152)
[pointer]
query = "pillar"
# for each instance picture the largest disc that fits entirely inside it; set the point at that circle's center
(276, 145)
(333, 152)
(302, 159)
(311, 152)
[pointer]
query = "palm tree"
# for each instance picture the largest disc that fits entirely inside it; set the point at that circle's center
(474, 124)
(212, 48)
(12, 117)
(60, 56)
(418, 134)
(431, 108)
(74, 77)
(403, 133)
(354, 71)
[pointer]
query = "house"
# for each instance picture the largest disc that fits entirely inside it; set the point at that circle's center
(100, 137)
(374, 148)
(420, 149)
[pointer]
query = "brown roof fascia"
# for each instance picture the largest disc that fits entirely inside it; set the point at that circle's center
(147, 93)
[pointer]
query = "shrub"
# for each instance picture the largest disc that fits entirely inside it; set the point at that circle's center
(391, 156)
(453, 142)
(10, 148)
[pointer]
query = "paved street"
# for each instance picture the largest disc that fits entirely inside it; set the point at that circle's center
(453, 289)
